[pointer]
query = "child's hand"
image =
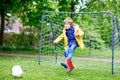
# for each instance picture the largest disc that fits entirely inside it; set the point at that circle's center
(76, 34)
(54, 42)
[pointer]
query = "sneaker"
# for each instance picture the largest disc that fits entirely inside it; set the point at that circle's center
(64, 65)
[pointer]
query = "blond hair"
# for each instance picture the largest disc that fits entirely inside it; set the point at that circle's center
(68, 20)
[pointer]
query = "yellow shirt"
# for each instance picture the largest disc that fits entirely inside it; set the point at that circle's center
(78, 38)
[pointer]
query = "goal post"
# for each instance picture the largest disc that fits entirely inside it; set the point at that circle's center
(100, 32)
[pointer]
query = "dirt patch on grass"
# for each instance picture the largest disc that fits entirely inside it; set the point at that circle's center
(48, 56)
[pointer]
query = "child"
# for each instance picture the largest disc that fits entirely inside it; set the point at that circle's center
(72, 36)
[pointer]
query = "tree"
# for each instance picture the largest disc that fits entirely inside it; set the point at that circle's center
(68, 5)
(7, 6)
(102, 5)
(31, 12)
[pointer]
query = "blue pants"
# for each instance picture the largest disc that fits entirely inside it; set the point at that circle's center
(69, 51)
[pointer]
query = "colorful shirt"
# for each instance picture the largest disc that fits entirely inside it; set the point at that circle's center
(70, 36)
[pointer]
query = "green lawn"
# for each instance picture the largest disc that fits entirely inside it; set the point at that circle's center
(84, 69)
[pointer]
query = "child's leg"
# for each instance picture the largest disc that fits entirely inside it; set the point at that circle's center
(66, 52)
(65, 65)
(71, 50)
(70, 65)
(66, 55)
(69, 57)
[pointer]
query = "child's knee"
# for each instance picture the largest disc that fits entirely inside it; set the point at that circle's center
(69, 56)
(70, 51)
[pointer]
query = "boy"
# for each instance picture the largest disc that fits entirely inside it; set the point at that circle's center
(72, 36)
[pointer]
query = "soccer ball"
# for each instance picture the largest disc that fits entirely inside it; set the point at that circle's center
(17, 71)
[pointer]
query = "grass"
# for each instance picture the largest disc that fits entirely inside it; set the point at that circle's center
(84, 69)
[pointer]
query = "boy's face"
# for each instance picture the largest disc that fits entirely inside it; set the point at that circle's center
(67, 25)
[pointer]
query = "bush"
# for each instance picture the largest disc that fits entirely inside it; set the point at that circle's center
(21, 41)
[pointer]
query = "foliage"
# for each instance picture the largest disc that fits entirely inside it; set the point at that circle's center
(64, 5)
(31, 12)
(67, 5)
(102, 5)
(5, 7)
(22, 41)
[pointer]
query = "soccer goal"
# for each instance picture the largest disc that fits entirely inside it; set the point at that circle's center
(101, 38)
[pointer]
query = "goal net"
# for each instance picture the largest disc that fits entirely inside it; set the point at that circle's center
(101, 38)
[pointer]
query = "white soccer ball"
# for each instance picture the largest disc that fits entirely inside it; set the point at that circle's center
(17, 71)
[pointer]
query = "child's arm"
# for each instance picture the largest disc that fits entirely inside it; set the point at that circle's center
(58, 39)
(78, 31)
